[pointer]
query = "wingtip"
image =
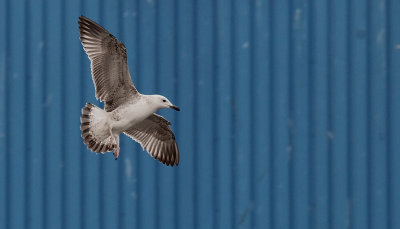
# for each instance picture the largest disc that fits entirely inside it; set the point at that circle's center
(168, 162)
(81, 19)
(171, 163)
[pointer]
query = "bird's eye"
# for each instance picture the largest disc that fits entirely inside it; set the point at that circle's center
(164, 100)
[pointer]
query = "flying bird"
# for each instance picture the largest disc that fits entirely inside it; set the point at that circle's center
(125, 109)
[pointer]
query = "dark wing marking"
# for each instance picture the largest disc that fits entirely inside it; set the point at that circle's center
(156, 137)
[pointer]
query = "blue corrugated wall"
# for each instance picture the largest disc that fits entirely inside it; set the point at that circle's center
(290, 115)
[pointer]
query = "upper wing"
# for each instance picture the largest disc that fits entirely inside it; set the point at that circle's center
(109, 64)
(156, 137)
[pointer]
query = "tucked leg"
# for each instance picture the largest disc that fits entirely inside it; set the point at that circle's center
(116, 148)
(114, 144)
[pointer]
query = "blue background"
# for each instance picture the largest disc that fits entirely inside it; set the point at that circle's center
(290, 115)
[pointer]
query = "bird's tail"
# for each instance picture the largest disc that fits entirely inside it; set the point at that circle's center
(95, 129)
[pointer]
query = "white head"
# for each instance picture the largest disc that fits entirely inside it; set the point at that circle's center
(161, 102)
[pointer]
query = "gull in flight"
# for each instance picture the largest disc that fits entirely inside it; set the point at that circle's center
(125, 109)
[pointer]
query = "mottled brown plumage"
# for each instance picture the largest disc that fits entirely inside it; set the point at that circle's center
(155, 136)
(109, 64)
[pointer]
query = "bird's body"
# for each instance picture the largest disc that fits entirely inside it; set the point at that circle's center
(130, 113)
(126, 110)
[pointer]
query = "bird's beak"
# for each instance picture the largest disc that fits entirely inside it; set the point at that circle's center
(175, 107)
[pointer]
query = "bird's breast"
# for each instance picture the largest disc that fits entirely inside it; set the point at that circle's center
(128, 115)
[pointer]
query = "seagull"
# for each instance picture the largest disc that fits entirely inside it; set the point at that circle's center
(125, 109)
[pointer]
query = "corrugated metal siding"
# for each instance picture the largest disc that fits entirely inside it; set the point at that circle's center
(290, 115)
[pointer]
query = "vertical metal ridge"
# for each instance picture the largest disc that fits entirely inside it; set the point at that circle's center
(63, 114)
(252, 112)
(195, 126)
(7, 116)
(273, 116)
(259, 163)
(291, 110)
(358, 117)
(241, 107)
(157, 53)
(378, 154)
(329, 109)
(214, 124)
(298, 127)
(233, 120)
(271, 82)
(309, 96)
(27, 150)
(137, 46)
(45, 117)
(311, 116)
(386, 50)
(388, 112)
(369, 162)
(320, 71)
(17, 114)
(53, 118)
(349, 112)
(348, 105)
(394, 71)
(339, 111)
(223, 106)
(281, 114)
(186, 64)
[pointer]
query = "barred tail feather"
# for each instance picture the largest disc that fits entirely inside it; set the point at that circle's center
(95, 129)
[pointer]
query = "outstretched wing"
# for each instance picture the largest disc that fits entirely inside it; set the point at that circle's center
(109, 64)
(155, 136)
